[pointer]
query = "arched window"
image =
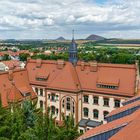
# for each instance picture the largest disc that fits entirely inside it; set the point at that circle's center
(95, 113)
(73, 107)
(105, 113)
(85, 98)
(116, 103)
(63, 103)
(53, 109)
(95, 100)
(41, 103)
(68, 103)
(85, 111)
(106, 101)
(41, 92)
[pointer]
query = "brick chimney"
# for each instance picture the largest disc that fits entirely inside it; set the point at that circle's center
(93, 66)
(60, 64)
(38, 63)
(10, 75)
(82, 66)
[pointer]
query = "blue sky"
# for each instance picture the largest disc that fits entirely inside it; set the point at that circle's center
(41, 19)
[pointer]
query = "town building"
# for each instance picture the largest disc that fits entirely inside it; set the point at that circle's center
(11, 65)
(88, 90)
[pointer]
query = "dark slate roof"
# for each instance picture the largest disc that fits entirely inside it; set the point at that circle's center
(88, 122)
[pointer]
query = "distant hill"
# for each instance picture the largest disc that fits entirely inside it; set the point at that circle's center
(95, 37)
(119, 41)
(60, 38)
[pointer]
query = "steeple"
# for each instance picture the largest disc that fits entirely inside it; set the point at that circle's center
(73, 51)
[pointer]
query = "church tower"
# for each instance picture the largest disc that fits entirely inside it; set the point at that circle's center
(73, 51)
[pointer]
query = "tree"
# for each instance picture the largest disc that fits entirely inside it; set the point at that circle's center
(23, 56)
(6, 57)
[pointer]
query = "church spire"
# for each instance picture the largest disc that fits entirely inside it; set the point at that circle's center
(73, 51)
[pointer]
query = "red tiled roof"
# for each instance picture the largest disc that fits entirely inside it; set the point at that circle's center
(129, 132)
(123, 108)
(10, 86)
(72, 78)
(12, 64)
(109, 126)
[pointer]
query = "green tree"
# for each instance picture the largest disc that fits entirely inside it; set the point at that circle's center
(23, 56)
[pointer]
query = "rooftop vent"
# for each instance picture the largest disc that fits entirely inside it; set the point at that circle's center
(60, 64)
(38, 63)
(82, 66)
(93, 66)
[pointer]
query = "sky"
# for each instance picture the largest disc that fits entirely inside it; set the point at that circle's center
(49, 19)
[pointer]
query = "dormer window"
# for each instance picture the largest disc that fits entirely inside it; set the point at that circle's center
(41, 79)
(108, 83)
(107, 86)
(25, 91)
(27, 94)
(42, 76)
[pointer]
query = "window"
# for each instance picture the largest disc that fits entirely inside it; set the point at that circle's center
(116, 103)
(95, 113)
(81, 131)
(56, 97)
(36, 90)
(53, 109)
(52, 97)
(41, 104)
(68, 103)
(85, 98)
(106, 102)
(105, 113)
(41, 79)
(107, 86)
(57, 111)
(41, 92)
(48, 96)
(26, 94)
(85, 112)
(95, 100)
(73, 108)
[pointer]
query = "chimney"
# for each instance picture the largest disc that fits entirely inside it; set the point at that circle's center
(10, 75)
(60, 64)
(38, 63)
(93, 66)
(28, 58)
(82, 66)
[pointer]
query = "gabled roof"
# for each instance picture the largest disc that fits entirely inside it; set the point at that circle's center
(12, 84)
(14, 94)
(66, 80)
(130, 132)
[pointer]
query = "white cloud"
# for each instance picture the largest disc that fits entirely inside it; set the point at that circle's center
(62, 15)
